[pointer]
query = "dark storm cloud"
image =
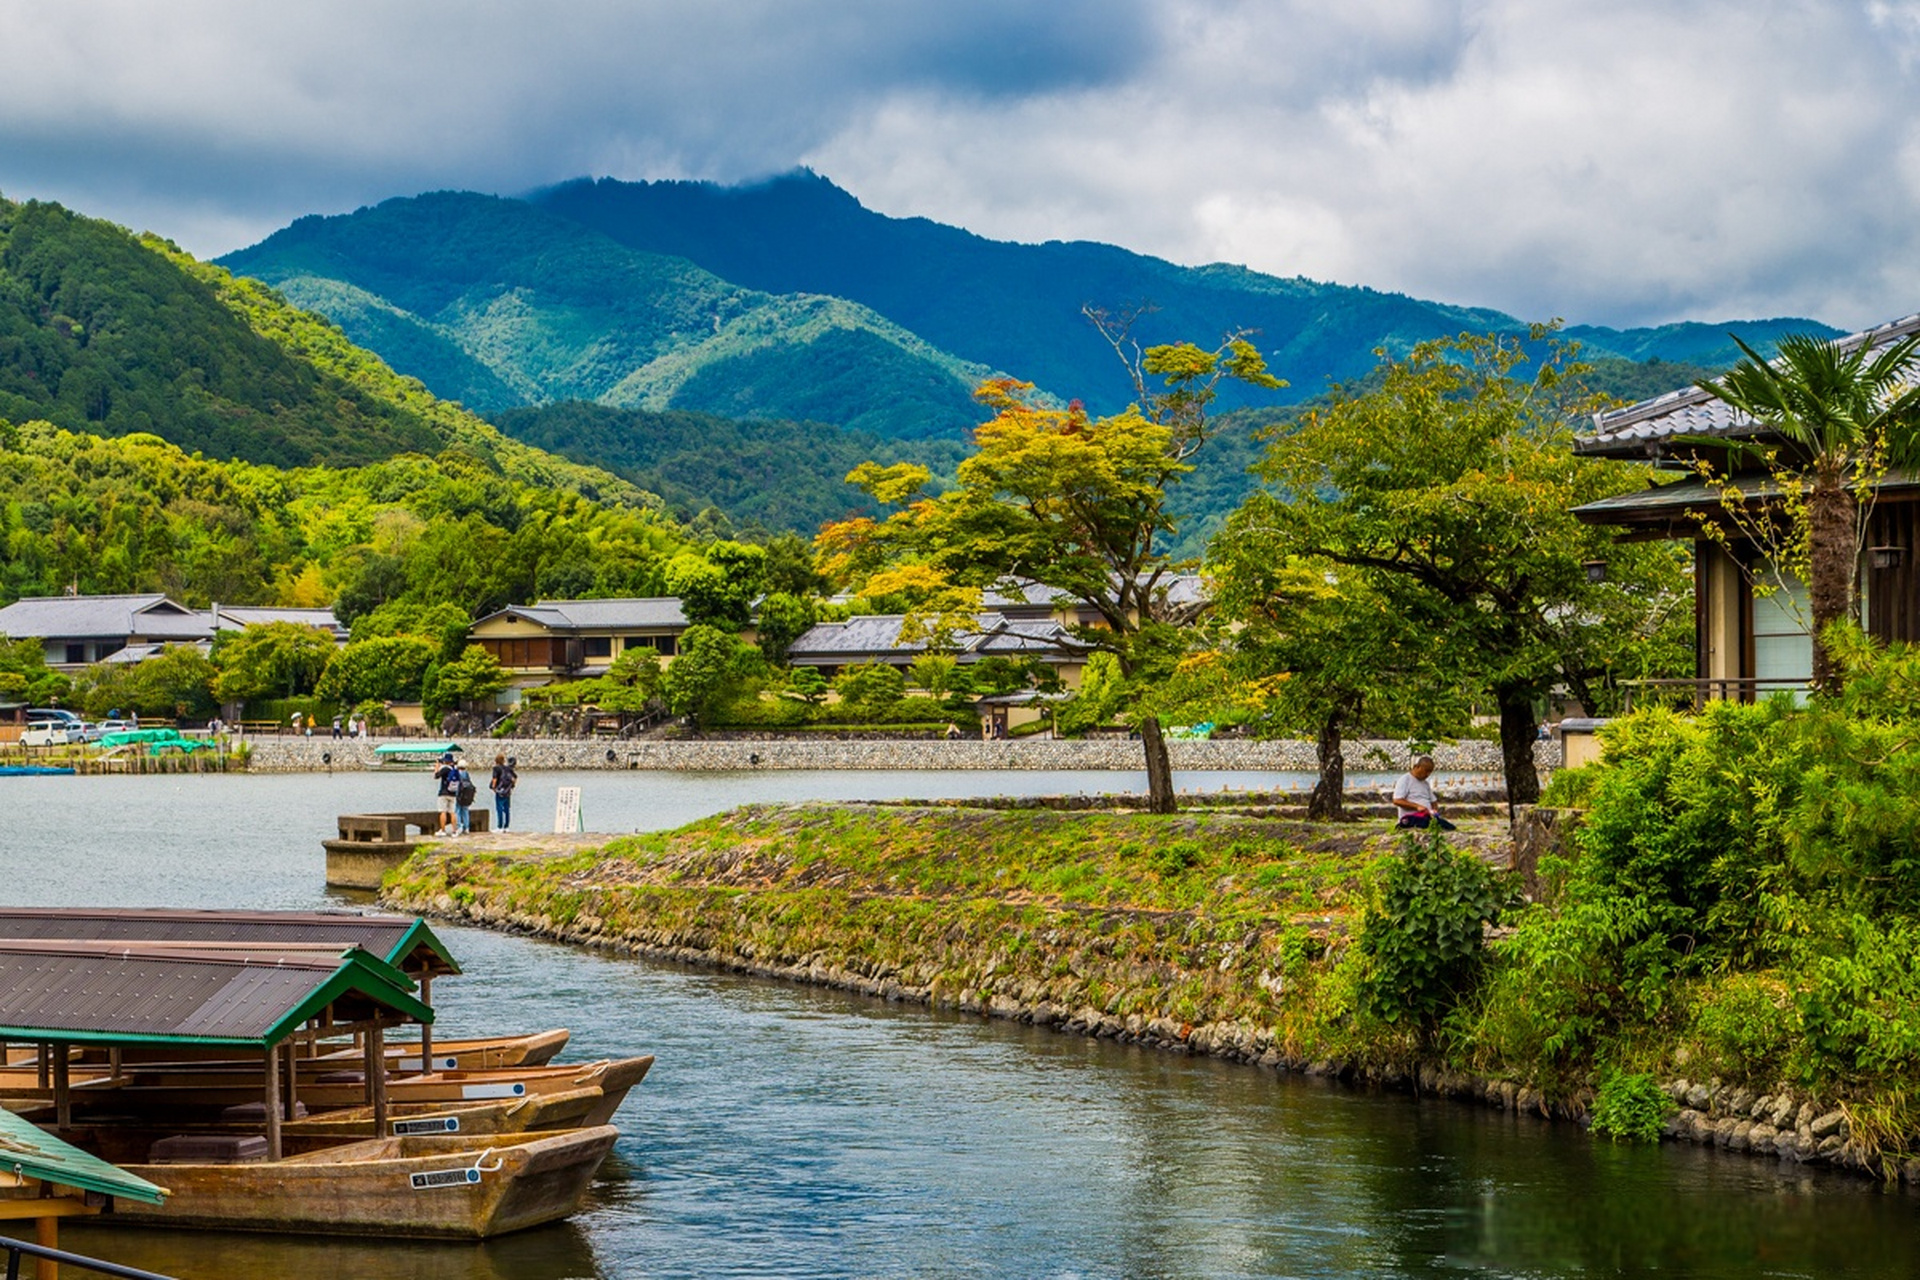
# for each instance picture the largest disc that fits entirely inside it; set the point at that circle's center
(206, 117)
(1635, 161)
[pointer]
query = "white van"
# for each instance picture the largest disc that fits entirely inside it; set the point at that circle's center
(52, 727)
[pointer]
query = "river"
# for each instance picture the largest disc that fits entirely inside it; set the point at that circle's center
(787, 1131)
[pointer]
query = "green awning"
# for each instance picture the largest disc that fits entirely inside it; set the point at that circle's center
(418, 749)
(27, 1151)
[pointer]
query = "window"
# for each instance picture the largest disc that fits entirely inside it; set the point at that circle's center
(76, 653)
(543, 652)
(599, 646)
(1782, 648)
(663, 645)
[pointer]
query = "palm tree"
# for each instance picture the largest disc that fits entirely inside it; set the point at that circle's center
(1846, 411)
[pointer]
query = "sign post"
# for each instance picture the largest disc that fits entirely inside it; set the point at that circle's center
(566, 814)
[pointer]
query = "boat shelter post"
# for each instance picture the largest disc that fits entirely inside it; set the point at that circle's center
(271, 1057)
(293, 1080)
(62, 1090)
(377, 1077)
(426, 1028)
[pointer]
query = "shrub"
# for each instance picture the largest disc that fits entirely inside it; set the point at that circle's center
(1630, 1108)
(870, 686)
(1742, 1025)
(1423, 936)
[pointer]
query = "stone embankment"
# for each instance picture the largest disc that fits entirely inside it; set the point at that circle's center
(319, 754)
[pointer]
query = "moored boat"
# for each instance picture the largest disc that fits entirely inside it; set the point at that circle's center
(445, 1187)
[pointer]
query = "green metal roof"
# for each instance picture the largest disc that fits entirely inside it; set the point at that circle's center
(27, 1151)
(417, 748)
(63, 992)
(404, 941)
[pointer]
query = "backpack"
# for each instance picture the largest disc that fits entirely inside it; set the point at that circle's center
(466, 792)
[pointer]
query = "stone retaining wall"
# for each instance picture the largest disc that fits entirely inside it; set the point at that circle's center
(313, 755)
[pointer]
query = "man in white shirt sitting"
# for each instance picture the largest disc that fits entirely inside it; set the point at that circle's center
(1415, 799)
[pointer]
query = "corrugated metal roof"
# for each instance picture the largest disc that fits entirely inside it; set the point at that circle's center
(26, 1150)
(1639, 430)
(404, 941)
(136, 992)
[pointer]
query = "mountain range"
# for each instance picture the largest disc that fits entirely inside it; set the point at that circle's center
(789, 299)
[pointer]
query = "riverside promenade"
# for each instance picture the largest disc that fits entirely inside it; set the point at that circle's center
(320, 754)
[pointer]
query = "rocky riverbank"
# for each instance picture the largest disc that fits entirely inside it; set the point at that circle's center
(1213, 933)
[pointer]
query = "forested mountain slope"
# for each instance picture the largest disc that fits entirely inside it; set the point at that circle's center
(505, 304)
(1017, 307)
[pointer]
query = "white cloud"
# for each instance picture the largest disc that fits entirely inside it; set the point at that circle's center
(1631, 162)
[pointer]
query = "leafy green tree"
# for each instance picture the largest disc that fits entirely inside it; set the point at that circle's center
(783, 619)
(1449, 487)
(385, 669)
(809, 685)
(174, 684)
(1321, 653)
(870, 687)
(790, 568)
(275, 660)
(937, 673)
(444, 624)
(472, 678)
(25, 675)
(1846, 415)
(1076, 502)
(711, 669)
(717, 586)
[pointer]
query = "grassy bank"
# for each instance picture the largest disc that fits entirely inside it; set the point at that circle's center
(1318, 948)
(1230, 933)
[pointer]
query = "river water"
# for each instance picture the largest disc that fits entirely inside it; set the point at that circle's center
(787, 1131)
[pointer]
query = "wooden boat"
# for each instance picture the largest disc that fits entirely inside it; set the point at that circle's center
(202, 1092)
(127, 1138)
(487, 1053)
(449, 1187)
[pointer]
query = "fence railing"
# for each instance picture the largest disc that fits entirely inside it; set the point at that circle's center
(1694, 691)
(17, 1249)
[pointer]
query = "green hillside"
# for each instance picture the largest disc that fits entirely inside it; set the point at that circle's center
(502, 304)
(1018, 306)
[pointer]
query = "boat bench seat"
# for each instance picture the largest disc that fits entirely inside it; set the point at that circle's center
(209, 1148)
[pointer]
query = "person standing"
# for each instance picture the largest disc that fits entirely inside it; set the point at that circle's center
(463, 792)
(1413, 797)
(505, 778)
(336, 726)
(446, 778)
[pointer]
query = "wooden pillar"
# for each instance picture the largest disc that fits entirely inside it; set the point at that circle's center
(40, 1058)
(62, 1094)
(426, 1028)
(46, 1234)
(272, 1056)
(113, 1061)
(377, 1078)
(293, 1080)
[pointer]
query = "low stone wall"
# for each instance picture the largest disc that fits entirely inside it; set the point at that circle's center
(314, 755)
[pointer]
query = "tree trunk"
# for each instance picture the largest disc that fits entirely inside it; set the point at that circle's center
(1830, 553)
(1518, 733)
(1329, 798)
(1159, 767)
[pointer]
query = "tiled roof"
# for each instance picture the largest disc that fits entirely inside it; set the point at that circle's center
(103, 617)
(878, 635)
(1641, 430)
(251, 616)
(658, 612)
(405, 941)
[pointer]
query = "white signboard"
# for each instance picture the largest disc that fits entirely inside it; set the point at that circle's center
(566, 814)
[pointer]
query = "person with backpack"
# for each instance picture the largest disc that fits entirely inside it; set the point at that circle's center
(446, 778)
(505, 778)
(463, 799)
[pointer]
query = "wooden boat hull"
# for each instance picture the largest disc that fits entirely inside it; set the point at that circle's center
(203, 1091)
(445, 1188)
(483, 1053)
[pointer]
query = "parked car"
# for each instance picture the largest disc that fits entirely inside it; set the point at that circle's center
(52, 727)
(114, 726)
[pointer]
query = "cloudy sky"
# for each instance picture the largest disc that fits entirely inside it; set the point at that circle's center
(1630, 162)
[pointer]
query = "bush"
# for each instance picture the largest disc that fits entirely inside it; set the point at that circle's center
(1742, 1026)
(1423, 936)
(1630, 1108)
(870, 687)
